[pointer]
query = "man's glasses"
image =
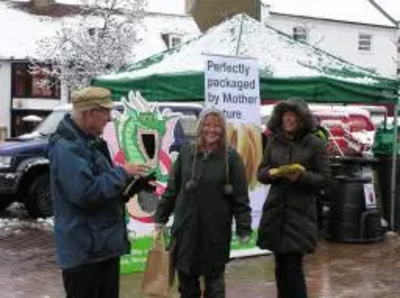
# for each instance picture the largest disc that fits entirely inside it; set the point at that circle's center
(104, 111)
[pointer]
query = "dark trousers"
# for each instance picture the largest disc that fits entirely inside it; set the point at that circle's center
(98, 280)
(322, 200)
(189, 285)
(289, 275)
(320, 213)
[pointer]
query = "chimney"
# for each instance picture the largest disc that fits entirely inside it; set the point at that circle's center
(189, 6)
(265, 13)
(41, 4)
(209, 13)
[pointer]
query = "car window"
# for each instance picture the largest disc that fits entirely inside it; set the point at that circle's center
(189, 125)
(49, 125)
(188, 120)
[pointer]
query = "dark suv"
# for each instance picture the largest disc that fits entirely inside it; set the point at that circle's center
(24, 166)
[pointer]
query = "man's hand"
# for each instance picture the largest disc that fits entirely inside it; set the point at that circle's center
(244, 239)
(136, 169)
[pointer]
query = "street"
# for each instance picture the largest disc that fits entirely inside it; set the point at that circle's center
(29, 270)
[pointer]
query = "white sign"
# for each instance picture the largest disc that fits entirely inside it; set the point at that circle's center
(369, 195)
(232, 85)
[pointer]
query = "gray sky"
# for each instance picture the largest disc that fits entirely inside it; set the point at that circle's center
(167, 6)
(392, 7)
(359, 11)
(346, 9)
(336, 9)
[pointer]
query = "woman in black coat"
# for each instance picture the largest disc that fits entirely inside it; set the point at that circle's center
(288, 226)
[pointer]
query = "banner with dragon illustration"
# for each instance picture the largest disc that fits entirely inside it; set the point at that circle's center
(232, 86)
(142, 133)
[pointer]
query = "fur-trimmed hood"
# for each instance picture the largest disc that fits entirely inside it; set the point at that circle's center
(210, 111)
(300, 108)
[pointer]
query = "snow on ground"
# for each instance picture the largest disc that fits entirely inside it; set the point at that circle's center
(16, 226)
(15, 221)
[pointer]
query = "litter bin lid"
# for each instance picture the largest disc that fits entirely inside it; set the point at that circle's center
(359, 179)
(360, 160)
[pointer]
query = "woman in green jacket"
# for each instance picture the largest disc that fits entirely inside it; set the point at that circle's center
(207, 188)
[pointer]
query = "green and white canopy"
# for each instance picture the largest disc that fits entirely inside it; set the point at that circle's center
(287, 68)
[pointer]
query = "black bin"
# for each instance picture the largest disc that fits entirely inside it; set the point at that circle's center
(351, 166)
(349, 220)
(384, 169)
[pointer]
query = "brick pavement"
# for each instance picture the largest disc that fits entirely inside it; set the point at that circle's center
(28, 267)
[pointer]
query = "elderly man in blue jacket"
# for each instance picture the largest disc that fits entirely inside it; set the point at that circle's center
(88, 198)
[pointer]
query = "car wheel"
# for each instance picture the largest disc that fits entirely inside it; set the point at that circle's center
(5, 201)
(38, 201)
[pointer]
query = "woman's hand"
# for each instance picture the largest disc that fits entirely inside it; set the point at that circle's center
(273, 173)
(293, 176)
(159, 227)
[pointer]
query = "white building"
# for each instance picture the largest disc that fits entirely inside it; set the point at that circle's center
(353, 30)
(392, 9)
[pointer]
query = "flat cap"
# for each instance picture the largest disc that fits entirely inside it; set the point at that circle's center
(91, 97)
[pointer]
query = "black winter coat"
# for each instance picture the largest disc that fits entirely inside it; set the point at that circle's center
(202, 227)
(289, 220)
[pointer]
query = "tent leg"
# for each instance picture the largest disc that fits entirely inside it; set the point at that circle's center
(240, 37)
(394, 171)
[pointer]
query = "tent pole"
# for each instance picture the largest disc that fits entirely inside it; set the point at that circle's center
(394, 169)
(240, 37)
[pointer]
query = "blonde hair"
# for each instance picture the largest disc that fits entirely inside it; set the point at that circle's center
(223, 146)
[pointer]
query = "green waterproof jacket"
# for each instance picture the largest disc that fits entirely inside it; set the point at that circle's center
(204, 212)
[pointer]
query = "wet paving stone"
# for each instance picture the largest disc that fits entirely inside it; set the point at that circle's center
(28, 270)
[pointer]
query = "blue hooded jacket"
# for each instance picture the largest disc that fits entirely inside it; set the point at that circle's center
(87, 193)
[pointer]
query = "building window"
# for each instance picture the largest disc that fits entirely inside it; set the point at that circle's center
(29, 82)
(300, 34)
(398, 45)
(172, 40)
(398, 68)
(96, 32)
(365, 42)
